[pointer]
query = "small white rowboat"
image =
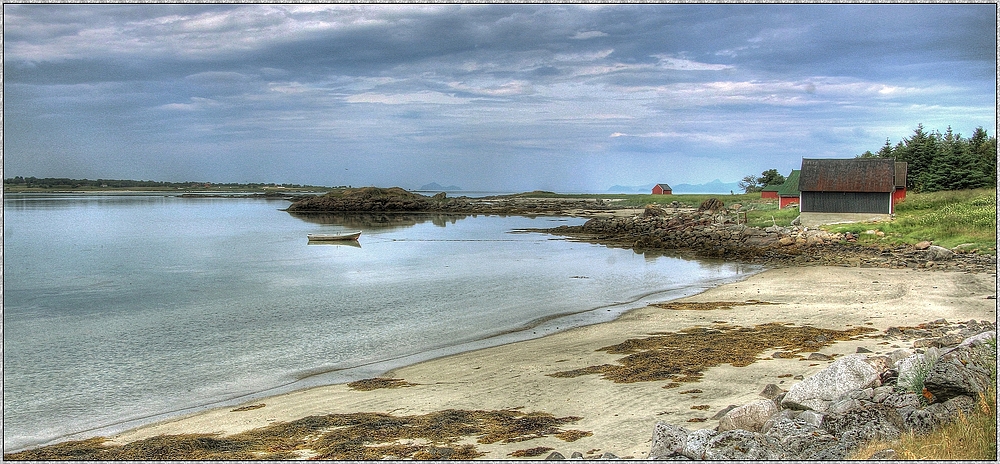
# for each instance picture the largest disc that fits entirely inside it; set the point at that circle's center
(334, 237)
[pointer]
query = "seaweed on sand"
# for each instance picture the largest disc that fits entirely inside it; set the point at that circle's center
(378, 382)
(683, 356)
(358, 436)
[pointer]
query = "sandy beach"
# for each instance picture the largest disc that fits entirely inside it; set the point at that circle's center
(621, 416)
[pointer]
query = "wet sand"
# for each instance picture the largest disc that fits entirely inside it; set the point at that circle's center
(621, 416)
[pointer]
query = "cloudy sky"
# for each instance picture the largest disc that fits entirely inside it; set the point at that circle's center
(486, 97)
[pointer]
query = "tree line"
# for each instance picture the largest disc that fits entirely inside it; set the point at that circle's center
(936, 161)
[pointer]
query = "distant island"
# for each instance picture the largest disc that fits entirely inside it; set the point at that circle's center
(434, 186)
(715, 186)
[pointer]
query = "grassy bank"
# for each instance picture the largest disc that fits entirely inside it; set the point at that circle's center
(949, 219)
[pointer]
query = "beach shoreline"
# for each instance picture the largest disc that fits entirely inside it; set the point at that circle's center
(620, 416)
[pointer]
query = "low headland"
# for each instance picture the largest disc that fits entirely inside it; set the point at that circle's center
(849, 343)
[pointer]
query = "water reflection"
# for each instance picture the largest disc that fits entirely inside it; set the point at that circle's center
(344, 243)
(378, 221)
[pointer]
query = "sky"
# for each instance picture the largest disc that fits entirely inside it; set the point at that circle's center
(489, 97)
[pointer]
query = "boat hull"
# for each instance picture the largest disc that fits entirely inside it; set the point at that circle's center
(333, 237)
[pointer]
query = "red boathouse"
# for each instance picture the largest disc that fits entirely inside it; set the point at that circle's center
(662, 189)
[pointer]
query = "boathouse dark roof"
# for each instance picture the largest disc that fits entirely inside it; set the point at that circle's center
(848, 175)
(664, 186)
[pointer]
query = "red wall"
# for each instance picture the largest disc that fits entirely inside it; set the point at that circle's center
(659, 191)
(771, 194)
(784, 202)
(898, 195)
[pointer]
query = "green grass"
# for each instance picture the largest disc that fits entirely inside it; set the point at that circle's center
(948, 219)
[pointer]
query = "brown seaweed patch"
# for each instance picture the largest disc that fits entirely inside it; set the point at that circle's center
(573, 435)
(530, 452)
(357, 436)
(378, 382)
(708, 306)
(249, 408)
(683, 356)
(701, 407)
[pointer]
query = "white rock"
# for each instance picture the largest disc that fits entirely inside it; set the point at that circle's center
(852, 372)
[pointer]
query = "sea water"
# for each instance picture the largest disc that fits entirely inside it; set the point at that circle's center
(121, 310)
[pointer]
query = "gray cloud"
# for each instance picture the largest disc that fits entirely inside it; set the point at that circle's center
(508, 97)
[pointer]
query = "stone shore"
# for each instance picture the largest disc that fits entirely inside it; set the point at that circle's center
(719, 234)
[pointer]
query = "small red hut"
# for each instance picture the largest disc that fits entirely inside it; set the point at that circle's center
(662, 189)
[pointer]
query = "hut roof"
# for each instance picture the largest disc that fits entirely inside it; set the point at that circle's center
(791, 186)
(848, 175)
(664, 186)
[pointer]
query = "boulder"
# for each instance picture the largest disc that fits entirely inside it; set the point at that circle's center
(851, 372)
(864, 422)
(949, 378)
(751, 416)
(936, 253)
(922, 420)
(740, 445)
(668, 440)
(697, 441)
(653, 211)
(771, 391)
(922, 245)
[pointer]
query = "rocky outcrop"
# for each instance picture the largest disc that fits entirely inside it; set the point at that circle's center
(719, 234)
(830, 414)
(376, 200)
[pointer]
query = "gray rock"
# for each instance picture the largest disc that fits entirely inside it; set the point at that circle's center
(950, 378)
(723, 411)
(865, 422)
(741, 445)
(848, 373)
(751, 416)
(811, 417)
(771, 391)
(933, 416)
(936, 253)
(555, 456)
(796, 438)
(881, 393)
(609, 456)
(668, 440)
(576, 455)
(818, 357)
(697, 441)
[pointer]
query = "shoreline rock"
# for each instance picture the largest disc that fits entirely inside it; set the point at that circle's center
(847, 416)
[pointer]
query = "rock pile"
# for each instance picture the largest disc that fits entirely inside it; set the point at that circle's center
(720, 235)
(858, 398)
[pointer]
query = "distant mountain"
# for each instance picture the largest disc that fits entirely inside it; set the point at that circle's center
(631, 188)
(715, 186)
(438, 188)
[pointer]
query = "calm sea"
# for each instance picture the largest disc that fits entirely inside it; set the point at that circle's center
(121, 310)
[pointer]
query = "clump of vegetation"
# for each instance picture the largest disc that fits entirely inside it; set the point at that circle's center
(912, 380)
(358, 436)
(947, 218)
(683, 356)
(377, 383)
